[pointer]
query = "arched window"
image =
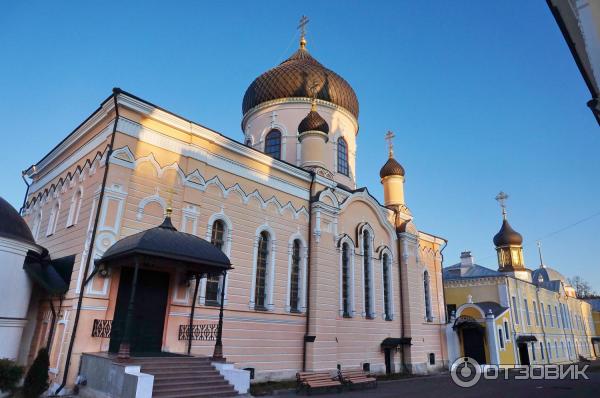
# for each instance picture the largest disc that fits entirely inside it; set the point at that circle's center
(37, 223)
(428, 316)
(260, 290)
(387, 281)
(342, 157)
(346, 282)
(295, 277)
(367, 274)
(74, 208)
(273, 144)
(213, 282)
(53, 219)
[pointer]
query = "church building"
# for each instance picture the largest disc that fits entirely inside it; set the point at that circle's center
(316, 273)
(514, 315)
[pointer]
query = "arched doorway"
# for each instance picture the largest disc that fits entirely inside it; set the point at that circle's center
(473, 343)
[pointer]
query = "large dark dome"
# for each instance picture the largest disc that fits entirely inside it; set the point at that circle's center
(293, 77)
(507, 236)
(12, 225)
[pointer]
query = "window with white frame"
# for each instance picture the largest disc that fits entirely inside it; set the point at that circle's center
(214, 282)
(295, 276)
(542, 350)
(557, 317)
(53, 219)
(427, 293)
(37, 223)
(515, 309)
(543, 313)
(273, 144)
(346, 281)
(342, 157)
(527, 312)
(533, 350)
(368, 275)
(550, 315)
(262, 258)
(387, 286)
(500, 338)
(506, 335)
(549, 348)
(74, 208)
(535, 313)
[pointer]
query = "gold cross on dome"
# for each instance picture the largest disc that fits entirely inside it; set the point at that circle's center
(302, 27)
(389, 137)
(501, 198)
(169, 209)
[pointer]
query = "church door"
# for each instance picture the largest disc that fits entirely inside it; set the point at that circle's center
(473, 344)
(523, 354)
(149, 314)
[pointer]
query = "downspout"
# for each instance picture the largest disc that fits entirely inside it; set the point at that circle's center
(308, 260)
(23, 173)
(52, 323)
(109, 151)
(400, 290)
(444, 308)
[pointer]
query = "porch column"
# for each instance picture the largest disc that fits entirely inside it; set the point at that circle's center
(125, 345)
(452, 341)
(218, 352)
(190, 331)
(490, 327)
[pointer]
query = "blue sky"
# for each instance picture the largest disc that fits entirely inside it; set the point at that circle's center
(482, 96)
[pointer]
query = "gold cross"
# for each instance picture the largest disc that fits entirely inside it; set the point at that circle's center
(389, 138)
(501, 198)
(302, 27)
(169, 209)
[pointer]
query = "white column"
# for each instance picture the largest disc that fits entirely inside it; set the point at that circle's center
(490, 327)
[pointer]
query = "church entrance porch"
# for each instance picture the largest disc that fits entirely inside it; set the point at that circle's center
(148, 315)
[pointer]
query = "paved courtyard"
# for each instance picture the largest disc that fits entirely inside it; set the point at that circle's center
(441, 386)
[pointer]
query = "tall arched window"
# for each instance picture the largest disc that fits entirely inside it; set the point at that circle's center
(260, 291)
(273, 144)
(295, 277)
(367, 274)
(53, 219)
(342, 157)
(213, 282)
(346, 289)
(428, 316)
(387, 296)
(74, 208)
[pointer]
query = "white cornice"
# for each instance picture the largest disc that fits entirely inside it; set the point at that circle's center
(209, 135)
(296, 100)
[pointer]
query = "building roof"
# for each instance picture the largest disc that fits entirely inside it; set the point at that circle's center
(547, 274)
(507, 236)
(167, 243)
(293, 78)
(391, 168)
(491, 306)
(473, 271)
(12, 225)
(313, 122)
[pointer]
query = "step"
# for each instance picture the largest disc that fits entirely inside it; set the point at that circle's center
(187, 380)
(183, 372)
(177, 367)
(197, 387)
(195, 395)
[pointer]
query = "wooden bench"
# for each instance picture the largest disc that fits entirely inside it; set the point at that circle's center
(357, 377)
(307, 381)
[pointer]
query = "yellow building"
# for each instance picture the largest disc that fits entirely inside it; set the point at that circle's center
(514, 316)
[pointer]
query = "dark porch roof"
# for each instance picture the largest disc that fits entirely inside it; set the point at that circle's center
(467, 322)
(393, 342)
(51, 275)
(165, 242)
(595, 339)
(526, 338)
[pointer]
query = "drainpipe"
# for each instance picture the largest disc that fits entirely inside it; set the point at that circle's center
(444, 302)
(400, 290)
(308, 261)
(23, 174)
(109, 151)
(52, 323)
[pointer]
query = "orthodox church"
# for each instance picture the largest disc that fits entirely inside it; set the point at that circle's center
(515, 315)
(311, 272)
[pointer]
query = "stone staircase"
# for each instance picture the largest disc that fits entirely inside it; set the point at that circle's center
(179, 377)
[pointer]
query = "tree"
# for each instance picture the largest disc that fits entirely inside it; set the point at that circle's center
(582, 288)
(10, 375)
(36, 381)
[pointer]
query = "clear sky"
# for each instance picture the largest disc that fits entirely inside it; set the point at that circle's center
(483, 96)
